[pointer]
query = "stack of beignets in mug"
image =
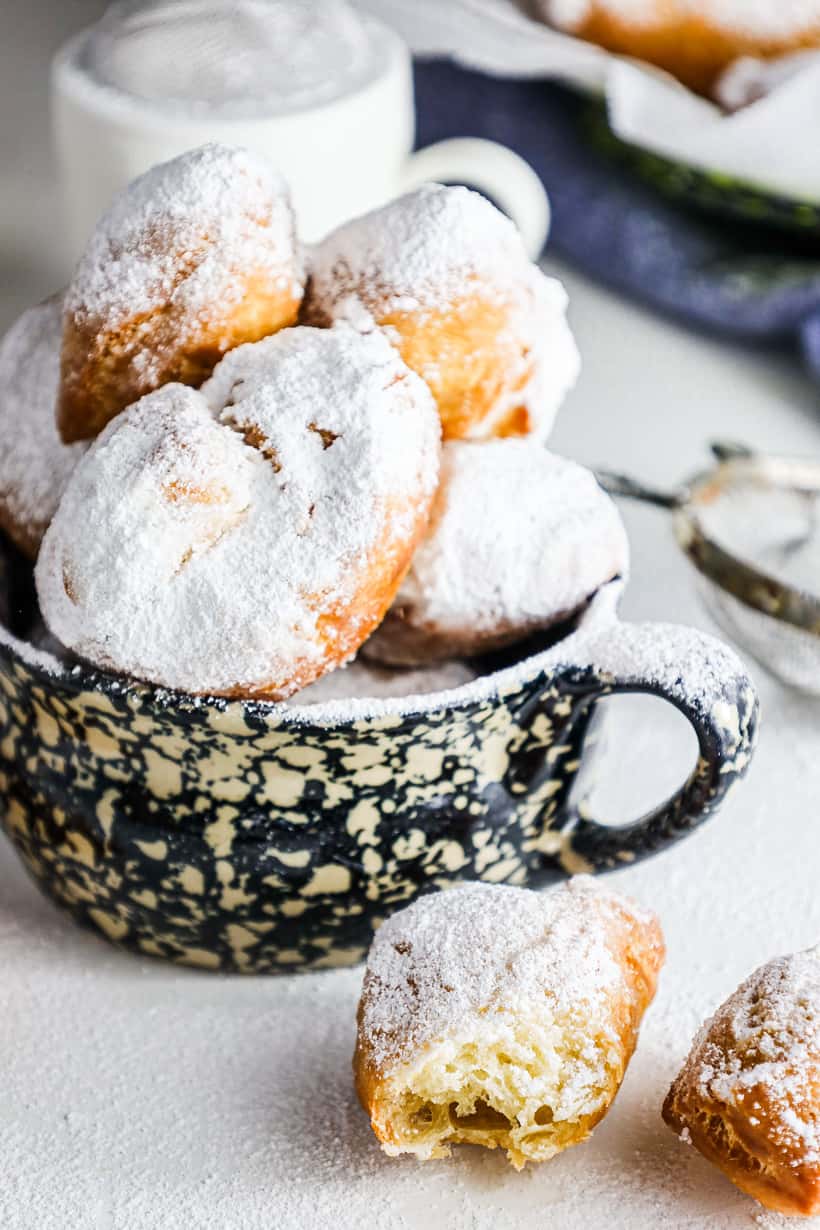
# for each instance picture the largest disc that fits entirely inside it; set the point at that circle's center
(235, 461)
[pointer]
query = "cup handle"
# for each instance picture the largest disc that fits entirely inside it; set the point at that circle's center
(706, 681)
(493, 169)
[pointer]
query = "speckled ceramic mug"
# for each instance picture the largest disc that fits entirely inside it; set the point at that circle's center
(255, 837)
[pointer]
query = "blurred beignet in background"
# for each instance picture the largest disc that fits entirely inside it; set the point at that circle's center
(695, 40)
(519, 539)
(35, 465)
(245, 539)
(748, 1095)
(194, 257)
(447, 276)
(502, 1017)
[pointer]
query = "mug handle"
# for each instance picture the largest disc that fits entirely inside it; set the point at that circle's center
(500, 173)
(708, 684)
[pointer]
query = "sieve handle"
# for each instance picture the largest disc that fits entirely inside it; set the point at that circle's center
(730, 450)
(703, 679)
(615, 483)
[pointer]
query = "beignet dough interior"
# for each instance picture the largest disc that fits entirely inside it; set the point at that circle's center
(506, 1088)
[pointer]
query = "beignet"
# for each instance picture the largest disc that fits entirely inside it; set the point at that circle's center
(695, 40)
(748, 1094)
(35, 465)
(193, 258)
(445, 274)
(244, 539)
(502, 1017)
(519, 539)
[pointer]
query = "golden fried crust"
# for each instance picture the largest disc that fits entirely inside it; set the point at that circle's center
(469, 356)
(386, 1065)
(684, 44)
(748, 1095)
(101, 372)
(743, 1153)
(471, 361)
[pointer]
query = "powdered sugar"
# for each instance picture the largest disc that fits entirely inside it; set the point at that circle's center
(191, 233)
(360, 680)
(766, 1039)
(437, 691)
(341, 386)
(518, 538)
(28, 653)
(684, 663)
(208, 555)
(424, 249)
(710, 676)
(35, 465)
(573, 649)
(760, 18)
(434, 248)
(479, 949)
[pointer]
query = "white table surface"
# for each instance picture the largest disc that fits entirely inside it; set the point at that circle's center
(137, 1096)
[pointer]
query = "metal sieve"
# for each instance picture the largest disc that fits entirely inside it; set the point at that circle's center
(750, 525)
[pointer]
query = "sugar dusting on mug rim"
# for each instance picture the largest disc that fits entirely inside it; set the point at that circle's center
(600, 612)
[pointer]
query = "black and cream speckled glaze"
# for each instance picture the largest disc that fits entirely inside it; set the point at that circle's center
(255, 837)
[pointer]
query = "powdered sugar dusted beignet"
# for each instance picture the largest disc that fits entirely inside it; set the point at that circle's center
(502, 1017)
(748, 1095)
(519, 538)
(35, 465)
(246, 547)
(447, 276)
(693, 39)
(195, 257)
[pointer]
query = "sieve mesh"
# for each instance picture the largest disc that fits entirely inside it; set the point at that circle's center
(764, 514)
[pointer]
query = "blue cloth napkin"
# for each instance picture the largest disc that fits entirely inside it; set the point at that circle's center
(747, 281)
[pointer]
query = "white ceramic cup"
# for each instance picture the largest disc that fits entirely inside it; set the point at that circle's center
(343, 150)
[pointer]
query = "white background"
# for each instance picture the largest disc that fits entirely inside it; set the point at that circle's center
(136, 1096)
